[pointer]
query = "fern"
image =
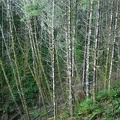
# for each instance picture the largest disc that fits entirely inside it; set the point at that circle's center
(102, 95)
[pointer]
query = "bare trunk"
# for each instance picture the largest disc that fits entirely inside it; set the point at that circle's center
(53, 60)
(69, 44)
(108, 47)
(112, 55)
(88, 49)
(95, 53)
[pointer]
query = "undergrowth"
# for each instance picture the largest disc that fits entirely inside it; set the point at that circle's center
(107, 107)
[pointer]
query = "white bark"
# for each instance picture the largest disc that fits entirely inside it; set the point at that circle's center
(112, 55)
(88, 49)
(84, 61)
(108, 46)
(53, 60)
(95, 53)
(69, 59)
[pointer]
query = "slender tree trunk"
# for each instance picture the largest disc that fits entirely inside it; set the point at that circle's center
(106, 79)
(112, 54)
(95, 53)
(118, 71)
(10, 22)
(85, 51)
(6, 78)
(88, 49)
(69, 44)
(53, 59)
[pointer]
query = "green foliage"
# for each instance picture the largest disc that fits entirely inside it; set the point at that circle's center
(30, 90)
(79, 54)
(33, 13)
(89, 109)
(102, 95)
(85, 4)
(115, 85)
(86, 105)
(37, 113)
(31, 7)
(34, 10)
(107, 106)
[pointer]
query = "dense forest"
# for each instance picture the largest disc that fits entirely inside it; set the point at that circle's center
(59, 59)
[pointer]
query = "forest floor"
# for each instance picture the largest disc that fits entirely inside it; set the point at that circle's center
(106, 107)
